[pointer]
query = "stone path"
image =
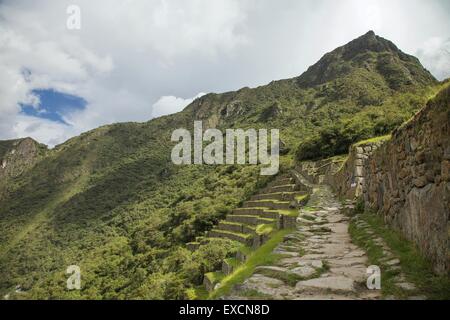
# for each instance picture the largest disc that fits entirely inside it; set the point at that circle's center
(319, 260)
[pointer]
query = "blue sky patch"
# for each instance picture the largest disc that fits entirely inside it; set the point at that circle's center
(54, 105)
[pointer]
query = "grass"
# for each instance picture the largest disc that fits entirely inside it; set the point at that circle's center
(308, 208)
(261, 256)
(214, 277)
(267, 220)
(286, 212)
(339, 158)
(414, 266)
(232, 262)
(275, 193)
(265, 229)
(269, 200)
(373, 140)
(197, 293)
(288, 278)
(246, 208)
(245, 250)
(243, 235)
(301, 197)
(308, 217)
(228, 223)
(432, 97)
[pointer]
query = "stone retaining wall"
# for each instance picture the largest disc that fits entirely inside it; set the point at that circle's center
(407, 180)
(348, 181)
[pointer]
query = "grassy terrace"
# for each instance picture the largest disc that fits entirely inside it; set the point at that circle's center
(238, 234)
(268, 220)
(280, 192)
(289, 212)
(301, 197)
(265, 229)
(269, 200)
(415, 267)
(373, 140)
(261, 256)
(237, 224)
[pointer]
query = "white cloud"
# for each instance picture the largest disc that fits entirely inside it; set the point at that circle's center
(121, 61)
(170, 104)
(435, 54)
(49, 132)
(131, 60)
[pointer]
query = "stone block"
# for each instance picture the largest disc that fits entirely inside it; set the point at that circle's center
(420, 182)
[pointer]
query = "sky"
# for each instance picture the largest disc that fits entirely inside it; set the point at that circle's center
(134, 60)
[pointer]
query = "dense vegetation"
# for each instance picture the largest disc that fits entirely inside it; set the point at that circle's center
(112, 202)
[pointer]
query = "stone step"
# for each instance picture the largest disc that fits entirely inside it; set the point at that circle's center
(252, 220)
(236, 227)
(246, 239)
(202, 240)
(248, 211)
(282, 188)
(280, 182)
(192, 246)
(261, 212)
(281, 196)
(270, 204)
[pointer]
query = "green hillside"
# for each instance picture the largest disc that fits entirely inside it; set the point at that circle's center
(112, 202)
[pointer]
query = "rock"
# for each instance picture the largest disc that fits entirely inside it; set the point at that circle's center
(347, 262)
(233, 109)
(355, 253)
(393, 262)
(406, 286)
(420, 182)
(317, 264)
(271, 268)
(334, 283)
(358, 171)
(284, 252)
(394, 268)
(304, 221)
(445, 170)
(304, 271)
(357, 272)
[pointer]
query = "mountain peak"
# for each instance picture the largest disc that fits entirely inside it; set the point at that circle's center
(368, 42)
(372, 53)
(368, 37)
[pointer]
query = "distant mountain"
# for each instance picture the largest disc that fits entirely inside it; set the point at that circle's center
(111, 201)
(16, 156)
